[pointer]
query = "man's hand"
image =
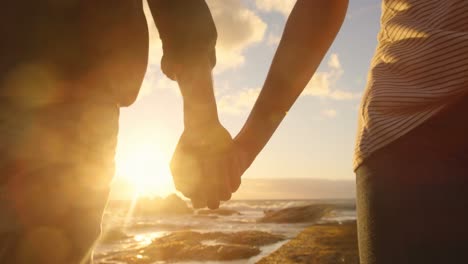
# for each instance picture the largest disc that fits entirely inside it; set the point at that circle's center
(205, 167)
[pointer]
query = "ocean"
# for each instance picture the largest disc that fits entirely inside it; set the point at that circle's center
(134, 233)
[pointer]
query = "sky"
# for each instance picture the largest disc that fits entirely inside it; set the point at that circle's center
(316, 139)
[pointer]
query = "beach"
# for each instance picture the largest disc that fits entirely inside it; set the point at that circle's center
(265, 231)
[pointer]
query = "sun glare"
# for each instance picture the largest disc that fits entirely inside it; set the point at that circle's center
(146, 169)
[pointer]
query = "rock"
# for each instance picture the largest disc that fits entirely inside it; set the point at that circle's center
(171, 205)
(181, 252)
(219, 211)
(252, 238)
(174, 203)
(324, 244)
(301, 214)
(192, 246)
(113, 235)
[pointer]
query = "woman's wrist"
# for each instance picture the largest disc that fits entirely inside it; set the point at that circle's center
(246, 150)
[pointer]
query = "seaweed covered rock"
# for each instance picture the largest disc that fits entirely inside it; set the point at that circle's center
(325, 244)
(300, 214)
(251, 238)
(190, 246)
(179, 251)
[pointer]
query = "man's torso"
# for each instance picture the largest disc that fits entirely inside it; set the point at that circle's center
(57, 50)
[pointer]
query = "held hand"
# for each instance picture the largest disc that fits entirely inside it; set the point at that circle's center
(203, 166)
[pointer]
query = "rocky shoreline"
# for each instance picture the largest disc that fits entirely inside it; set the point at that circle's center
(194, 246)
(330, 243)
(179, 241)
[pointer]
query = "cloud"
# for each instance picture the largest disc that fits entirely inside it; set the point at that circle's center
(156, 82)
(273, 39)
(323, 84)
(238, 28)
(334, 62)
(238, 102)
(281, 6)
(330, 113)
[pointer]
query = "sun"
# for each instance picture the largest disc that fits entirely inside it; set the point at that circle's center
(146, 169)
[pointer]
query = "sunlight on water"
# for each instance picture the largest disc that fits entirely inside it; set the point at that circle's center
(143, 240)
(147, 238)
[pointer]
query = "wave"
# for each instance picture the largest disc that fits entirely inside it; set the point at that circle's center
(267, 205)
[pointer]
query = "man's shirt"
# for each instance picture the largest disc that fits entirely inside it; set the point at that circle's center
(420, 67)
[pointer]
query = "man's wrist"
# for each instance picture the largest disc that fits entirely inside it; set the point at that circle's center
(199, 117)
(196, 85)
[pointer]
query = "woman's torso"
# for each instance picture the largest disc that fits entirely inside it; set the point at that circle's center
(420, 67)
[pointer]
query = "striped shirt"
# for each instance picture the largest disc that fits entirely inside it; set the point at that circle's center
(420, 67)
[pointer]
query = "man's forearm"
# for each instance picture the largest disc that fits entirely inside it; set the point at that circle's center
(187, 31)
(309, 32)
(196, 86)
(188, 35)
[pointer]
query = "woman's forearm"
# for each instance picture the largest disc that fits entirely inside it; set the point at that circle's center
(309, 32)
